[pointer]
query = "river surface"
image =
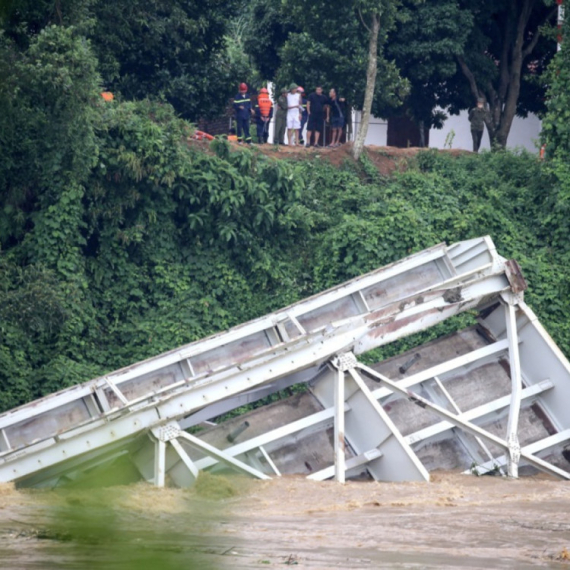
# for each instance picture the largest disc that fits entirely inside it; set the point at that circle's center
(454, 522)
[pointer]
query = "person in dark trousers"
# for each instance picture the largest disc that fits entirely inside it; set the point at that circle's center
(263, 114)
(304, 114)
(477, 117)
(336, 109)
(316, 115)
(242, 108)
(281, 118)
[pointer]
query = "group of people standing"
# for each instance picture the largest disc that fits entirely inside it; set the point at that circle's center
(293, 110)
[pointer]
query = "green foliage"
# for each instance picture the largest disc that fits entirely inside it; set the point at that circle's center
(556, 137)
(48, 127)
(556, 124)
(358, 226)
(325, 43)
(120, 238)
(172, 50)
(425, 43)
(176, 51)
(268, 29)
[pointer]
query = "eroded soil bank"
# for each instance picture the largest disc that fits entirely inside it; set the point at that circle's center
(456, 521)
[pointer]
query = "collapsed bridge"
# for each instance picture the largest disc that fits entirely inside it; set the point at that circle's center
(489, 398)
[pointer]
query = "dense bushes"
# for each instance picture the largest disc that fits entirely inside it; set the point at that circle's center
(359, 226)
(119, 239)
(164, 243)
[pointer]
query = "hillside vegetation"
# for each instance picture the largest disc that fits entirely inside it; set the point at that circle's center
(156, 242)
(120, 240)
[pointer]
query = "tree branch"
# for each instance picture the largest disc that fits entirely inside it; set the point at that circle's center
(58, 11)
(469, 75)
(504, 61)
(530, 47)
(363, 22)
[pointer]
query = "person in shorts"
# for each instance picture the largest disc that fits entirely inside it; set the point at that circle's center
(316, 112)
(293, 113)
(335, 117)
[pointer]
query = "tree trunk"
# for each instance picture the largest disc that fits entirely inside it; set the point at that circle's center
(370, 86)
(503, 97)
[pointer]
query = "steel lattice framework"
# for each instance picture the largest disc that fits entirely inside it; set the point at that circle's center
(144, 410)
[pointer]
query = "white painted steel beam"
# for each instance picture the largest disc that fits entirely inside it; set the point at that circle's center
(339, 457)
(222, 456)
(395, 432)
(344, 291)
(478, 412)
(274, 435)
(516, 389)
(463, 424)
(446, 367)
(328, 414)
(369, 311)
(159, 462)
(352, 463)
(530, 449)
(458, 411)
(185, 458)
(270, 461)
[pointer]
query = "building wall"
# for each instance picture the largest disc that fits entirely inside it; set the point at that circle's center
(524, 133)
(377, 130)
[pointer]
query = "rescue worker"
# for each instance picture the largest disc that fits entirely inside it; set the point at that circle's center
(263, 115)
(281, 118)
(242, 107)
(304, 114)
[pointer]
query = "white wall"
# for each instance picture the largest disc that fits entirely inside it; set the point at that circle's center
(377, 130)
(524, 133)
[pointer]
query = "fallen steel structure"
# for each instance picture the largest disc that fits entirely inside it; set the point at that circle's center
(462, 406)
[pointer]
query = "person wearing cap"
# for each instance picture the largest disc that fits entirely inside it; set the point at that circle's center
(281, 118)
(242, 108)
(304, 114)
(263, 114)
(294, 112)
(477, 117)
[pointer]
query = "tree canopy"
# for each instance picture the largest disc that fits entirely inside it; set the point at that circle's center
(174, 51)
(433, 54)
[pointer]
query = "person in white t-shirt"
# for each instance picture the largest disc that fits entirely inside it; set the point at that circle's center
(293, 113)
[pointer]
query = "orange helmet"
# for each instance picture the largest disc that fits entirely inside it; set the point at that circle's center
(263, 90)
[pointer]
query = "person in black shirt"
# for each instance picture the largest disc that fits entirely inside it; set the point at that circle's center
(316, 111)
(336, 111)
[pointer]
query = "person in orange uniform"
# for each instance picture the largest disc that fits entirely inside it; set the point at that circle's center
(263, 114)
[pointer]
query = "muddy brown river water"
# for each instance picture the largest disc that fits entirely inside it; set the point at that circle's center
(456, 521)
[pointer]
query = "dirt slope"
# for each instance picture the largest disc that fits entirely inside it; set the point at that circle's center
(386, 158)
